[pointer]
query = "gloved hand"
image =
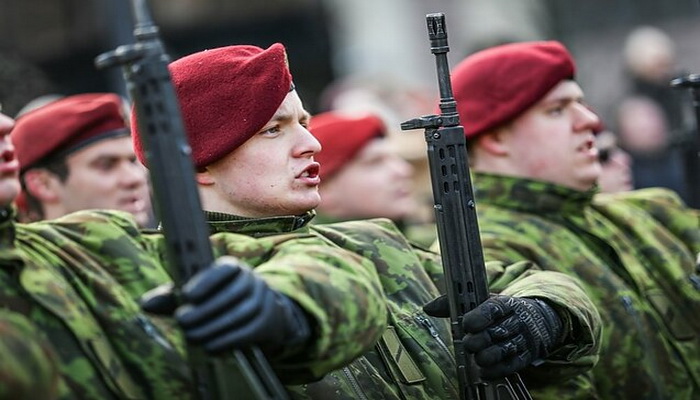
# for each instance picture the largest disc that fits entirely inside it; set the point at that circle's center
(506, 333)
(228, 306)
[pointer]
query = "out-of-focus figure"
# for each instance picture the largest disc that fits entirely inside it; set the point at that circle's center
(643, 132)
(616, 164)
(654, 119)
(362, 175)
(75, 153)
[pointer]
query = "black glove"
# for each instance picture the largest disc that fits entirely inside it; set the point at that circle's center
(506, 333)
(228, 306)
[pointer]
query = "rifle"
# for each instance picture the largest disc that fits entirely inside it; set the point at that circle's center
(457, 226)
(690, 143)
(241, 373)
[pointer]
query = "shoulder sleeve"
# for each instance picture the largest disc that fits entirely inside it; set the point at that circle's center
(511, 272)
(113, 239)
(663, 205)
(339, 291)
(582, 322)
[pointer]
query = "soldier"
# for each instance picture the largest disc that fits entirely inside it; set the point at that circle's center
(72, 284)
(532, 149)
(75, 154)
(256, 173)
(362, 175)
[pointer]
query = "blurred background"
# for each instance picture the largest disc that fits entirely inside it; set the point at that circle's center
(362, 53)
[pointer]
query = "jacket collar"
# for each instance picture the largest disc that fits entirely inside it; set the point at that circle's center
(257, 227)
(529, 195)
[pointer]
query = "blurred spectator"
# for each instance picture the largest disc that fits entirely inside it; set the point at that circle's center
(643, 132)
(616, 164)
(650, 59)
(76, 153)
(658, 152)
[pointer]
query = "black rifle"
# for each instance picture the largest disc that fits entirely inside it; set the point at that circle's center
(242, 374)
(457, 226)
(690, 142)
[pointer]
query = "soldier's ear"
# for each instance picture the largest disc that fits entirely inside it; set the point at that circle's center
(204, 177)
(494, 142)
(42, 184)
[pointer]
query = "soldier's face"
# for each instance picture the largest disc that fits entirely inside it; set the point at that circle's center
(271, 174)
(375, 183)
(9, 166)
(106, 175)
(553, 140)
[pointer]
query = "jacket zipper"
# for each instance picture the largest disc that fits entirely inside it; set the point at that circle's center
(354, 384)
(434, 333)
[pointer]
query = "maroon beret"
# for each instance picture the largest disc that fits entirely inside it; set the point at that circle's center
(226, 95)
(66, 125)
(342, 136)
(495, 85)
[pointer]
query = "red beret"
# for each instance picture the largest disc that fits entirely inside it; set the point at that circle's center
(496, 85)
(226, 95)
(342, 137)
(66, 125)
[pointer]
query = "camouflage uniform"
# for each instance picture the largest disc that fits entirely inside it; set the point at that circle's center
(635, 254)
(77, 280)
(28, 369)
(421, 234)
(413, 359)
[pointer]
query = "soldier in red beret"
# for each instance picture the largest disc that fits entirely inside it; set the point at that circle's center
(362, 175)
(532, 149)
(258, 175)
(75, 153)
(72, 326)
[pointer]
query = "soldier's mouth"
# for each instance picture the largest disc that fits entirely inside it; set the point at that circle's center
(310, 172)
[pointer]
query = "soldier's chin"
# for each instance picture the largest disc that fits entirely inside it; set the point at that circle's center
(306, 205)
(142, 218)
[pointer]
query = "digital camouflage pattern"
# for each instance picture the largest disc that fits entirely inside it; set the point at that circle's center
(635, 254)
(422, 234)
(28, 369)
(78, 278)
(413, 359)
(54, 275)
(339, 292)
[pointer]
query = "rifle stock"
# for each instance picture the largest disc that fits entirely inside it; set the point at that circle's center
(457, 226)
(242, 373)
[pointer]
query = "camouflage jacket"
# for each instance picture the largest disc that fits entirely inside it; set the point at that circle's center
(77, 280)
(413, 359)
(54, 277)
(421, 234)
(634, 253)
(338, 290)
(28, 369)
